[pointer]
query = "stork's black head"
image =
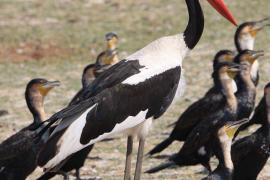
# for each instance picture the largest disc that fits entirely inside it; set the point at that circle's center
(223, 56)
(36, 91)
(88, 75)
(246, 33)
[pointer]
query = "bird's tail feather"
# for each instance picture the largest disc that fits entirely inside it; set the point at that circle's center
(161, 167)
(47, 175)
(161, 146)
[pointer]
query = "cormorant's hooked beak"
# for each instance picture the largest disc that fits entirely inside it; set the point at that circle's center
(234, 68)
(51, 84)
(257, 54)
(259, 25)
(223, 10)
(232, 127)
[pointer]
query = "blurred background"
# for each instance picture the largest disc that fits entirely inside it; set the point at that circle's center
(55, 39)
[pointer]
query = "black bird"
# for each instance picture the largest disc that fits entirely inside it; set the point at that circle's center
(108, 57)
(104, 61)
(3, 112)
(245, 34)
(244, 39)
(246, 99)
(248, 91)
(194, 113)
(125, 98)
(251, 153)
(202, 156)
(223, 76)
(18, 153)
(257, 118)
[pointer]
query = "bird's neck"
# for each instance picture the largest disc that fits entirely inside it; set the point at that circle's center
(244, 44)
(36, 107)
(194, 29)
(267, 102)
(111, 47)
(228, 90)
(247, 82)
(225, 145)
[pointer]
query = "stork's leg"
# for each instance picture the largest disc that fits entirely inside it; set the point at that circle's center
(77, 173)
(128, 157)
(139, 160)
(64, 174)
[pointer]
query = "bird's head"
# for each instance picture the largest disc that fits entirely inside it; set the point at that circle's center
(40, 87)
(88, 75)
(36, 91)
(228, 70)
(231, 127)
(112, 40)
(246, 33)
(248, 56)
(223, 56)
(220, 6)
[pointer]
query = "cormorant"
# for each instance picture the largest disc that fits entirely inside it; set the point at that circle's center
(251, 153)
(244, 39)
(18, 153)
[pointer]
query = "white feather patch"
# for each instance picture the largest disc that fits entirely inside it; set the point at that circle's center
(254, 69)
(246, 42)
(202, 151)
(157, 57)
(70, 141)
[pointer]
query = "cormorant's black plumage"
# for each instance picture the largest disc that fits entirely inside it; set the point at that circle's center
(18, 153)
(251, 153)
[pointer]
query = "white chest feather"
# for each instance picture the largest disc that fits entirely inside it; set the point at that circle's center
(254, 69)
(247, 42)
(157, 57)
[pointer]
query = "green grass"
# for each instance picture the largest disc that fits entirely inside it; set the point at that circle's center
(77, 28)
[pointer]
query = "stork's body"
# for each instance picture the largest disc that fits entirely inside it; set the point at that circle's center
(126, 97)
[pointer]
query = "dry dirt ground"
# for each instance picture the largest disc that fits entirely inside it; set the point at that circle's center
(55, 39)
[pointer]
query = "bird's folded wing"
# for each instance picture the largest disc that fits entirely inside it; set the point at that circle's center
(116, 107)
(16, 144)
(242, 145)
(202, 133)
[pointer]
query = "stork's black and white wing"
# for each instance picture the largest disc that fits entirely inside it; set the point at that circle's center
(141, 87)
